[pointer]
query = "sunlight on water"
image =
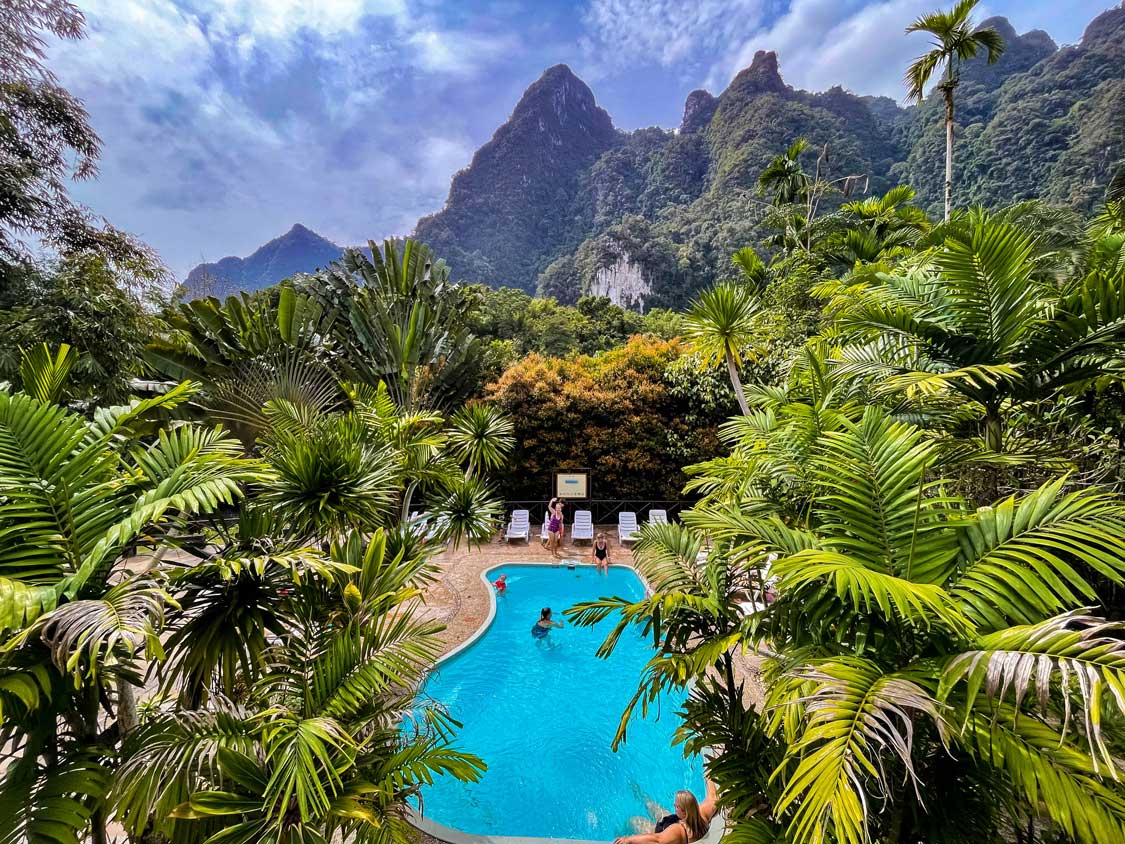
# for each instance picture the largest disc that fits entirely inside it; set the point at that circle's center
(543, 714)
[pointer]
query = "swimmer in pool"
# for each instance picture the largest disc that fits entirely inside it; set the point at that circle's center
(688, 825)
(543, 626)
(501, 584)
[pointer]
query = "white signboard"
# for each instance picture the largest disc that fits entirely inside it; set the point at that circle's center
(572, 484)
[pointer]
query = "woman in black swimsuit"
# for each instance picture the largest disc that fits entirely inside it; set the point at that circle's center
(688, 825)
(601, 554)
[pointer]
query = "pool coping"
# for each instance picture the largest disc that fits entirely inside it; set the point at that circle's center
(455, 836)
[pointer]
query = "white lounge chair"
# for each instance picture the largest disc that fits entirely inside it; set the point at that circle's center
(627, 527)
(420, 522)
(583, 527)
(520, 526)
(543, 533)
(658, 517)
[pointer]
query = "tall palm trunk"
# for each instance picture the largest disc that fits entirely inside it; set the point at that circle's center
(736, 382)
(947, 90)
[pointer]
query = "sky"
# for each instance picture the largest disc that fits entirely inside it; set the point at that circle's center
(226, 121)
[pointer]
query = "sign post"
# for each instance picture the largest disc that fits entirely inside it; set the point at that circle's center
(574, 483)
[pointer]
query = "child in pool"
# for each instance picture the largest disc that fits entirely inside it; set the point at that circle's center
(543, 626)
(501, 584)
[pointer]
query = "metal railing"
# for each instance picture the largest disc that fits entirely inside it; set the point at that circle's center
(604, 510)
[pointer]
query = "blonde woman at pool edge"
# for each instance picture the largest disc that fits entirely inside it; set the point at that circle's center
(688, 825)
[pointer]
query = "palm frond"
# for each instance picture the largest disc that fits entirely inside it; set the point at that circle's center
(1085, 656)
(1017, 557)
(855, 715)
(1057, 780)
(44, 375)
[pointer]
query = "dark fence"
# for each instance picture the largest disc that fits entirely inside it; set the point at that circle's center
(604, 510)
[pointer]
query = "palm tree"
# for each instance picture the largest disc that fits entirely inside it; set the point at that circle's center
(405, 323)
(751, 268)
(721, 323)
(315, 746)
(875, 229)
(76, 497)
(931, 670)
(784, 178)
(481, 437)
(987, 317)
(248, 351)
(956, 39)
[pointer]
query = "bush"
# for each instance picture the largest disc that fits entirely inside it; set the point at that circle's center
(629, 415)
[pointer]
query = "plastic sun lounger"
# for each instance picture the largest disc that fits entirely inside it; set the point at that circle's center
(583, 527)
(520, 526)
(627, 527)
(658, 517)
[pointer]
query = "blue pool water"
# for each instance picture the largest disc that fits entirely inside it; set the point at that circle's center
(542, 715)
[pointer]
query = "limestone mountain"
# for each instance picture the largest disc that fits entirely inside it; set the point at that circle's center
(299, 250)
(502, 220)
(667, 210)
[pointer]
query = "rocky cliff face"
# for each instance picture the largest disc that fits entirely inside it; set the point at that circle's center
(699, 108)
(623, 282)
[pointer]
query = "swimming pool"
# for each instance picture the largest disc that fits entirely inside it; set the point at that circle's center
(542, 715)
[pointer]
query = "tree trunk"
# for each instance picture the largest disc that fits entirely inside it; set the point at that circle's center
(126, 707)
(948, 91)
(993, 430)
(407, 499)
(91, 709)
(736, 382)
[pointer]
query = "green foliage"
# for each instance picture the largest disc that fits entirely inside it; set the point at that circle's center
(404, 323)
(83, 302)
(987, 316)
(75, 495)
(548, 328)
(315, 747)
(914, 643)
(722, 323)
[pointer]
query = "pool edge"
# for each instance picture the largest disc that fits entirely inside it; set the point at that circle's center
(456, 836)
(714, 835)
(484, 625)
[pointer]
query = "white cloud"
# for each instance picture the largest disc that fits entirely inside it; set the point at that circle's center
(220, 131)
(456, 52)
(281, 19)
(664, 32)
(821, 43)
